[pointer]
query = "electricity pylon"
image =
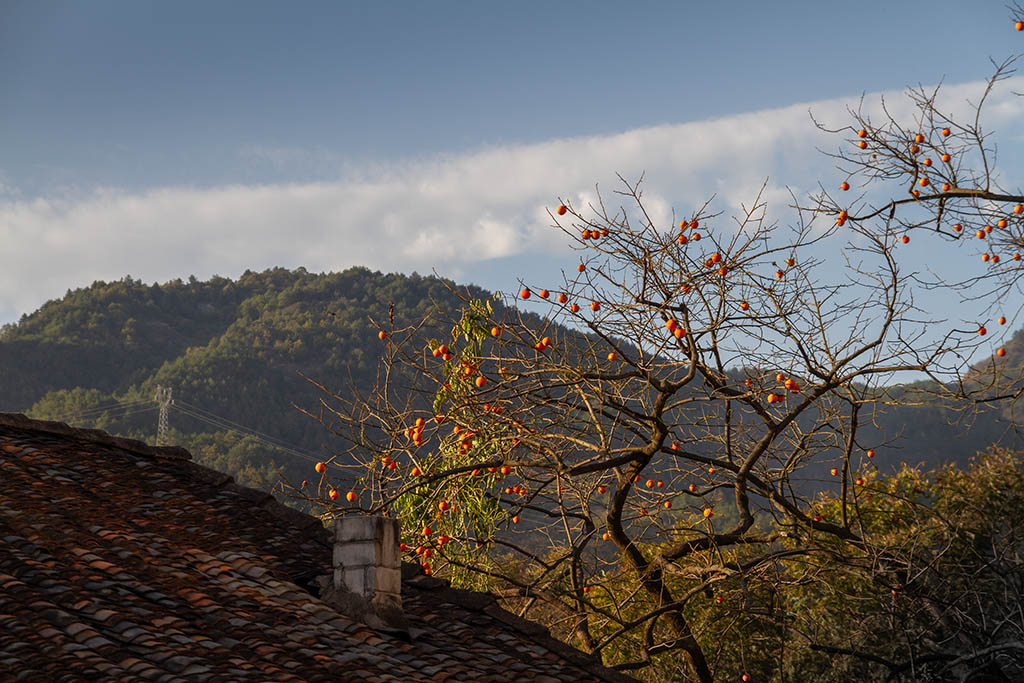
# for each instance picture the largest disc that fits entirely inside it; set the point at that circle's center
(163, 397)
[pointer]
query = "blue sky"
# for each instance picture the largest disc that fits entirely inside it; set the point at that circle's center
(141, 94)
(166, 139)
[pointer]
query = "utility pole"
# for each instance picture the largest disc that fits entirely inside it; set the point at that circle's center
(163, 397)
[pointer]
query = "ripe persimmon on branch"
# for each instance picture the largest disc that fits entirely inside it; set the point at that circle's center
(934, 173)
(660, 453)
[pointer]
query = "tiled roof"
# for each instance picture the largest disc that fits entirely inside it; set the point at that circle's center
(121, 561)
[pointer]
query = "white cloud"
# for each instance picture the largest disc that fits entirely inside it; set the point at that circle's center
(443, 213)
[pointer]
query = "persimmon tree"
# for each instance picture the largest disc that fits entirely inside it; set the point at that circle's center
(660, 452)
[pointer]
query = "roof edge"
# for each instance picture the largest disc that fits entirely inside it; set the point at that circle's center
(304, 522)
(487, 603)
(97, 436)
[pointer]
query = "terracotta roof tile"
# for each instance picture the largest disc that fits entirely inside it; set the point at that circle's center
(126, 562)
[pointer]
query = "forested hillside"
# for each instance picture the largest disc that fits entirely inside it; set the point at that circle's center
(232, 351)
(228, 349)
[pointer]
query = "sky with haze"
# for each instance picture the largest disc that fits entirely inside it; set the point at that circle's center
(168, 139)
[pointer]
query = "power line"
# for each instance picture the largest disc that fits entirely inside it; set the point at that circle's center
(98, 410)
(93, 418)
(162, 400)
(266, 437)
(224, 424)
(240, 432)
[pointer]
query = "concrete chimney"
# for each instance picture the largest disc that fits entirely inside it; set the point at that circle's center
(367, 581)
